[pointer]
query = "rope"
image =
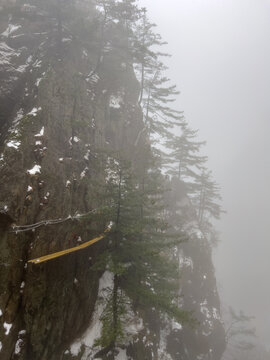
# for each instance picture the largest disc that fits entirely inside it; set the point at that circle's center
(70, 250)
(31, 227)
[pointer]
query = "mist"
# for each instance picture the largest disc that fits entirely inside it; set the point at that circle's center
(113, 184)
(220, 63)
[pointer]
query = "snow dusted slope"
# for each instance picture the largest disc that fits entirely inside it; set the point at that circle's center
(23, 44)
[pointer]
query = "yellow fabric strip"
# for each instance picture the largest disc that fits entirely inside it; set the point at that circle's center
(68, 251)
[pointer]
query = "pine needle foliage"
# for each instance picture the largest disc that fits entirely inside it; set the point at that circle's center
(138, 253)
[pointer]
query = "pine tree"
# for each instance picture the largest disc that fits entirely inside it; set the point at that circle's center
(184, 161)
(159, 116)
(184, 156)
(156, 92)
(144, 271)
(147, 249)
(145, 57)
(116, 21)
(239, 335)
(206, 201)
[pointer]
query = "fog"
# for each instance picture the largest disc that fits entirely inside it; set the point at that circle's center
(220, 63)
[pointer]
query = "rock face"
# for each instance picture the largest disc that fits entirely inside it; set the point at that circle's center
(56, 112)
(198, 289)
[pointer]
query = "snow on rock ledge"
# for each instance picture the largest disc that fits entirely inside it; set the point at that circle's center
(14, 144)
(10, 29)
(115, 101)
(34, 111)
(94, 330)
(35, 170)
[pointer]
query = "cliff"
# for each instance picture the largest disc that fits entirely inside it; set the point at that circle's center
(59, 115)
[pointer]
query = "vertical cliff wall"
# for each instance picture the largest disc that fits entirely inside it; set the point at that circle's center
(57, 115)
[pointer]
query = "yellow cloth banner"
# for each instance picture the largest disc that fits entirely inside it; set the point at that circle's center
(68, 251)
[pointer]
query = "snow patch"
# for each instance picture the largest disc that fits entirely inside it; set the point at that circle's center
(134, 325)
(7, 327)
(110, 225)
(18, 117)
(74, 140)
(10, 29)
(18, 346)
(65, 40)
(87, 155)
(29, 59)
(176, 325)
(100, 8)
(162, 350)
(41, 133)
(14, 144)
(38, 81)
(92, 78)
(204, 309)
(198, 234)
(35, 170)
(216, 314)
(185, 261)
(6, 54)
(94, 330)
(34, 111)
(115, 101)
(112, 173)
(27, 8)
(22, 68)
(83, 173)
(37, 64)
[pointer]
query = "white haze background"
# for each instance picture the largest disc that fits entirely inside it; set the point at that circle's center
(221, 64)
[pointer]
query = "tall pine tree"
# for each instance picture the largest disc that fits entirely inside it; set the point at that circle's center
(145, 275)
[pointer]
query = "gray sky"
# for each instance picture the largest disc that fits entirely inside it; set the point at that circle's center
(221, 64)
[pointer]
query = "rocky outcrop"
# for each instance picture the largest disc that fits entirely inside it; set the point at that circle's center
(57, 114)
